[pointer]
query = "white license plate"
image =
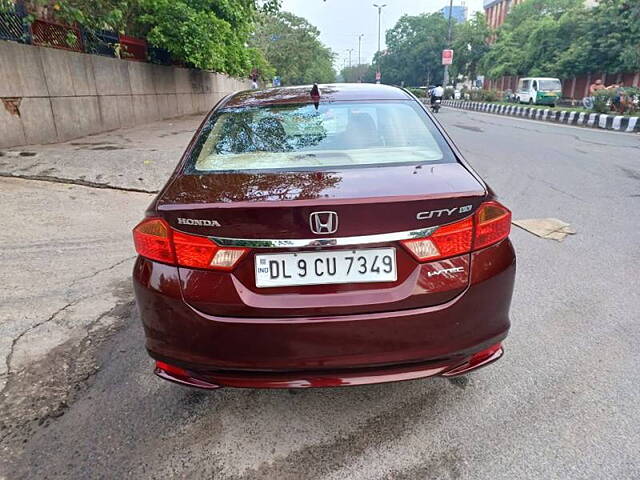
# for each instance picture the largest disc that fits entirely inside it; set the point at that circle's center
(319, 268)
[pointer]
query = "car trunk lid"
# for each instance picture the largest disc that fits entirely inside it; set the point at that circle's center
(277, 205)
(234, 207)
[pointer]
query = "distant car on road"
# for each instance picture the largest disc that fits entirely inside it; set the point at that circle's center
(539, 91)
(322, 236)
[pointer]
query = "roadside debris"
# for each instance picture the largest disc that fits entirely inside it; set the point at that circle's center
(550, 228)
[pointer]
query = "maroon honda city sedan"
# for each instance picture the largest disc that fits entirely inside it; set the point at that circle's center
(322, 236)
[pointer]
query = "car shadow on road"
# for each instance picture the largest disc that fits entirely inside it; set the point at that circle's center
(128, 421)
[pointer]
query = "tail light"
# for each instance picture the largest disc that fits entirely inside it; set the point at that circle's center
(493, 223)
(447, 241)
(489, 225)
(156, 240)
(152, 240)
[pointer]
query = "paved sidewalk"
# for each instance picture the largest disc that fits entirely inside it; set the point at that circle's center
(66, 255)
(137, 159)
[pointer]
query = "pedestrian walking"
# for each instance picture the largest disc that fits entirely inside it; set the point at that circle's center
(254, 79)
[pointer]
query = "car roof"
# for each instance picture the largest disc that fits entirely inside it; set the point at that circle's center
(328, 93)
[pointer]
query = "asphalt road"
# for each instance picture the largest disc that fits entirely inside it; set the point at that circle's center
(561, 404)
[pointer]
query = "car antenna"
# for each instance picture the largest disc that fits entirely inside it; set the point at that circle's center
(315, 95)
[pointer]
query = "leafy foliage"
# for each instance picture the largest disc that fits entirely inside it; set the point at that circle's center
(601, 101)
(355, 73)
(563, 38)
(207, 34)
(418, 92)
(483, 95)
(199, 36)
(6, 5)
(470, 46)
(414, 49)
(557, 38)
(292, 46)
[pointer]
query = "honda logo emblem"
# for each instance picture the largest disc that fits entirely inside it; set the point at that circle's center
(323, 222)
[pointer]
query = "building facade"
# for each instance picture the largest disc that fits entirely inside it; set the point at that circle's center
(497, 10)
(458, 12)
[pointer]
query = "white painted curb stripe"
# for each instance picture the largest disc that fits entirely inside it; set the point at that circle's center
(594, 120)
(617, 121)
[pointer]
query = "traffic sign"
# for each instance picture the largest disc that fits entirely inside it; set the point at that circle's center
(447, 57)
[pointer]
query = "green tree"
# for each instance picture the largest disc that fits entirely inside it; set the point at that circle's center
(503, 58)
(355, 73)
(469, 46)
(414, 49)
(291, 44)
(533, 38)
(563, 38)
(609, 39)
(207, 34)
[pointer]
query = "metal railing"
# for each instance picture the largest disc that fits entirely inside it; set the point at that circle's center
(56, 35)
(100, 42)
(15, 25)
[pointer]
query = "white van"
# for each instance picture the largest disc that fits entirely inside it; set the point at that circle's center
(539, 91)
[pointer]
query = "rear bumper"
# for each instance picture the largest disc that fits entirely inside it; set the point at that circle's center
(327, 351)
(546, 100)
(337, 378)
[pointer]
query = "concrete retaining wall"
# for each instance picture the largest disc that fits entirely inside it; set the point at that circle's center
(593, 120)
(49, 95)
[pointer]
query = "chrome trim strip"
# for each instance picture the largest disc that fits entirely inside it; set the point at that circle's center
(323, 242)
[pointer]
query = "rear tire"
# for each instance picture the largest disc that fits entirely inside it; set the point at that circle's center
(587, 102)
(531, 101)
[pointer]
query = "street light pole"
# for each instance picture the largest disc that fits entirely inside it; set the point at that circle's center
(350, 50)
(359, 47)
(379, 7)
(445, 80)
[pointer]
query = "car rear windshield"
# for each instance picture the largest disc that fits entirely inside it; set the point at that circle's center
(306, 137)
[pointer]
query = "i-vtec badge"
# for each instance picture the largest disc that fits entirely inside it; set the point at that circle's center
(445, 212)
(198, 222)
(445, 271)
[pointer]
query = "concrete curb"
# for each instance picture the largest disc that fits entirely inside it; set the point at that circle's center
(619, 123)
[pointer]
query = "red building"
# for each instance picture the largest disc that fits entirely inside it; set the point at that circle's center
(497, 10)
